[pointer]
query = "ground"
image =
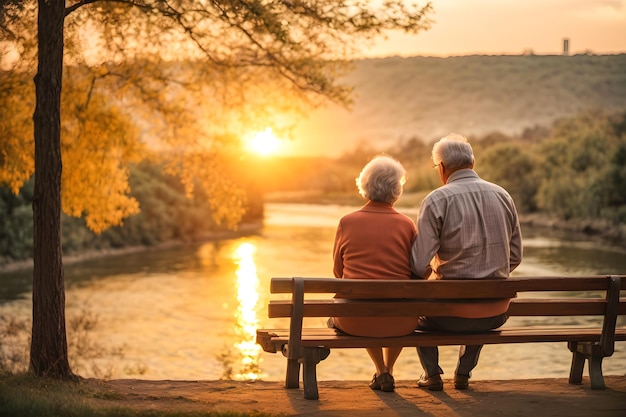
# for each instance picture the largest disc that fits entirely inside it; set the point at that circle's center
(519, 398)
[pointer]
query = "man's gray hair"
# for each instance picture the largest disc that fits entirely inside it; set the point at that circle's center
(382, 179)
(454, 151)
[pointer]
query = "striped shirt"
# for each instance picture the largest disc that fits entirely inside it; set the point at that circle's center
(467, 228)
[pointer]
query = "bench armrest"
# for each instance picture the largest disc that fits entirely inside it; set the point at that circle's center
(607, 340)
(295, 324)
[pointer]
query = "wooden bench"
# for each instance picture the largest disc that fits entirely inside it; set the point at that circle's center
(535, 296)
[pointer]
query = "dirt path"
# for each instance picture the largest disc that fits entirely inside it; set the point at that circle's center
(511, 398)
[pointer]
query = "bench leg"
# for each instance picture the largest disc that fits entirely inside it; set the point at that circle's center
(310, 359)
(292, 378)
(595, 372)
(591, 353)
(578, 364)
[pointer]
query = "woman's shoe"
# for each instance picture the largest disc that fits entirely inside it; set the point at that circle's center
(387, 383)
(383, 382)
(374, 384)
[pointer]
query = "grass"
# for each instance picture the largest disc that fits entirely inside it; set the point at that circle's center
(24, 395)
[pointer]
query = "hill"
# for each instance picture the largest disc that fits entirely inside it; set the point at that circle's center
(427, 97)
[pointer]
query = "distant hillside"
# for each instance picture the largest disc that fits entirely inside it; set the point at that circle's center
(427, 97)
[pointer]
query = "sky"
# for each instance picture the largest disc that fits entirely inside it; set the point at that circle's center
(496, 27)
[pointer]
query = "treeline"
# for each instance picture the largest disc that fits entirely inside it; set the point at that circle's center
(167, 214)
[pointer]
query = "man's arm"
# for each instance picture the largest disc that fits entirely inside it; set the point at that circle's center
(426, 243)
(516, 246)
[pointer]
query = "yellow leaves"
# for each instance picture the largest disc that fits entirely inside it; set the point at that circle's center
(226, 199)
(209, 172)
(16, 153)
(97, 144)
(97, 147)
(99, 190)
(16, 131)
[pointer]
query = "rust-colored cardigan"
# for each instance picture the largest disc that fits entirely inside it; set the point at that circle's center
(374, 242)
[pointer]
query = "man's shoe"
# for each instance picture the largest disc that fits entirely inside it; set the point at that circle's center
(461, 381)
(432, 383)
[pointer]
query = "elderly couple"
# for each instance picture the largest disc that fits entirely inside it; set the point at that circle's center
(467, 228)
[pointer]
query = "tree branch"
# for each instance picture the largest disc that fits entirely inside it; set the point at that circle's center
(78, 5)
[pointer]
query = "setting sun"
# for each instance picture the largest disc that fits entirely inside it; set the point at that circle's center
(263, 143)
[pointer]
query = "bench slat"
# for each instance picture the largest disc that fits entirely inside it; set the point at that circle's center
(562, 307)
(330, 338)
(369, 288)
(518, 307)
(488, 288)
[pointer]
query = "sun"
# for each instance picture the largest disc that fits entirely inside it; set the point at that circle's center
(264, 143)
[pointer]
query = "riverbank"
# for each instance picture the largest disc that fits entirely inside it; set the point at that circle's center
(500, 398)
(603, 230)
(245, 229)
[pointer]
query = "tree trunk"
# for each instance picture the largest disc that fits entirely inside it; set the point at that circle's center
(48, 351)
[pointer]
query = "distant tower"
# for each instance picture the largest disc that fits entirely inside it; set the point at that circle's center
(566, 47)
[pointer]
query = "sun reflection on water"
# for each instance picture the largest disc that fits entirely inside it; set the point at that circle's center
(247, 321)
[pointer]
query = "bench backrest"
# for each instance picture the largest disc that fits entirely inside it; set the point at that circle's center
(431, 297)
(434, 297)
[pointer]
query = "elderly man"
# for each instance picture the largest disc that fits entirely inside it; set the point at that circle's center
(468, 228)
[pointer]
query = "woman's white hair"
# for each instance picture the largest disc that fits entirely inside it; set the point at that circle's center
(454, 151)
(382, 179)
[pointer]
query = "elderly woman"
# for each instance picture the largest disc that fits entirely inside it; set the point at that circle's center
(374, 242)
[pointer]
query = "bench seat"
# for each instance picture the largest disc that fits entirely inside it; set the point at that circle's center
(274, 340)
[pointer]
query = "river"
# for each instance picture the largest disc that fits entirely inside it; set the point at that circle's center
(190, 312)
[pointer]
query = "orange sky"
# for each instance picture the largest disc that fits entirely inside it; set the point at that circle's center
(495, 27)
